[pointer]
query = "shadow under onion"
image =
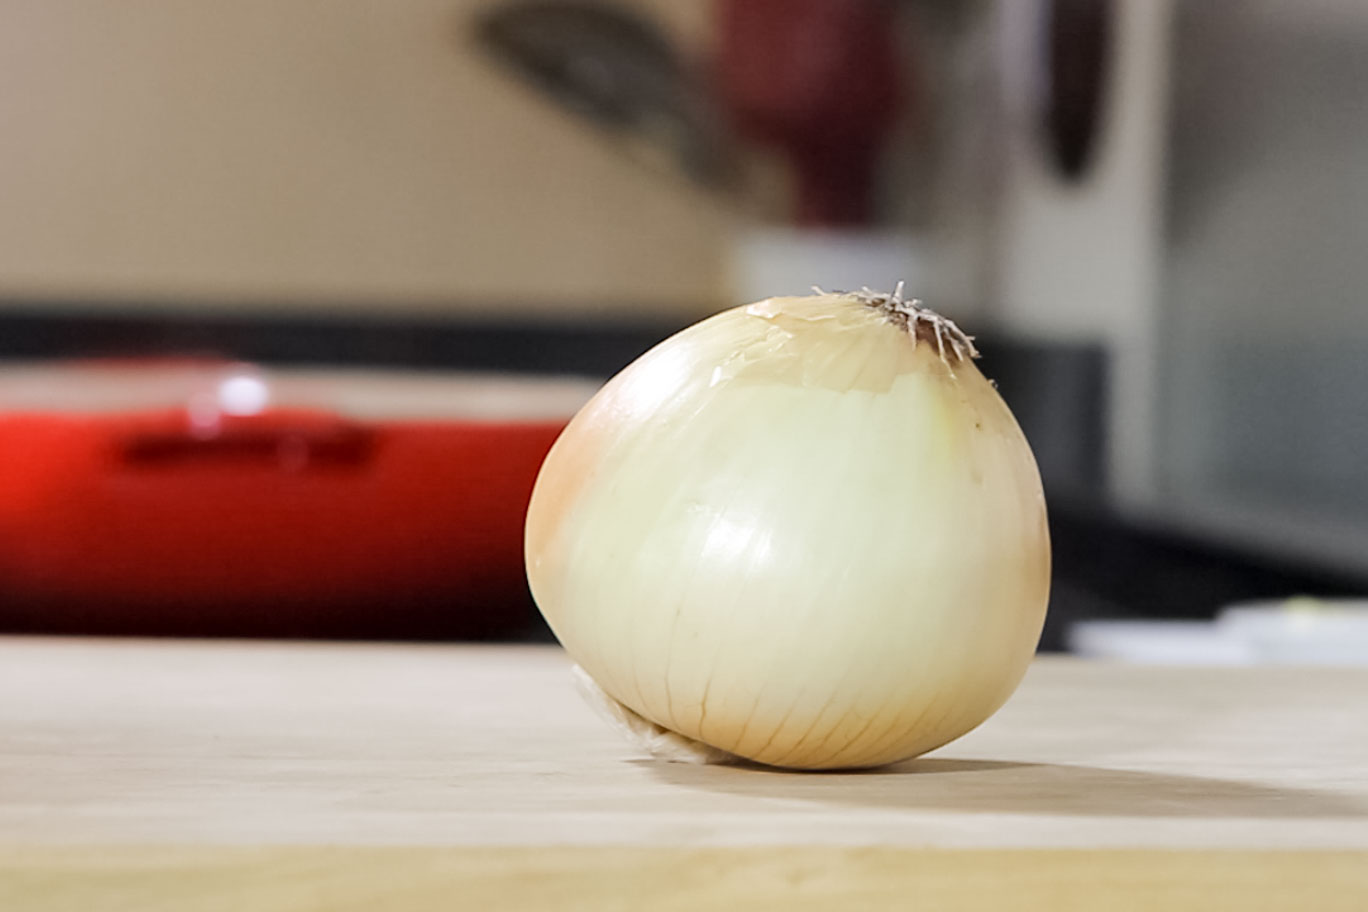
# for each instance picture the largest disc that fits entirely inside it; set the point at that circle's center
(1007, 787)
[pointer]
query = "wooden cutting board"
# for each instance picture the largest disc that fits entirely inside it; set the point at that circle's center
(222, 776)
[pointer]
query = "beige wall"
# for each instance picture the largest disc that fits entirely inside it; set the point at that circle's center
(322, 152)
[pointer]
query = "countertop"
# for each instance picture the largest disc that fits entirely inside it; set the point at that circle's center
(180, 775)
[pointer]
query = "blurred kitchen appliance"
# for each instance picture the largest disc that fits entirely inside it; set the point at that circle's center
(613, 66)
(216, 498)
(1261, 427)
(823, 83)
(1047, 212)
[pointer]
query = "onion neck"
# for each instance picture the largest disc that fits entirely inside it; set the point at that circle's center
(921, 322)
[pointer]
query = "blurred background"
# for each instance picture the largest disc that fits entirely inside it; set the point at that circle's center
(294, 296)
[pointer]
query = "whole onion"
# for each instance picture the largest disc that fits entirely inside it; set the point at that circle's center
(806, 532)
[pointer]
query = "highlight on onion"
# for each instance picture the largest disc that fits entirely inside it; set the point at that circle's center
(805, 532)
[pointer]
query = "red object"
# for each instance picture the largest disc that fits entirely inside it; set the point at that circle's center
(819, 79)
(287, 522)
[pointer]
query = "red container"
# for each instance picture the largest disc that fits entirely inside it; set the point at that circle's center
(213, 499)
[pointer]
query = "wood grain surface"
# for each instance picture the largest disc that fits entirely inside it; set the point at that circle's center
(597, 879)
(150, 775)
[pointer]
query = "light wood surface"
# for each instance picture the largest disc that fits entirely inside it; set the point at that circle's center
(187, 776)
(589, 879)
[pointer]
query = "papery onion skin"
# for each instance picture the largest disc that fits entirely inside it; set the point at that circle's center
(797, 532)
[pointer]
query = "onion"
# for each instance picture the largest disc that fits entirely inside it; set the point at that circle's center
(805, 532)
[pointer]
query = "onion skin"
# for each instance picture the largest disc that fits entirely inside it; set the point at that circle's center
(798, 533)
